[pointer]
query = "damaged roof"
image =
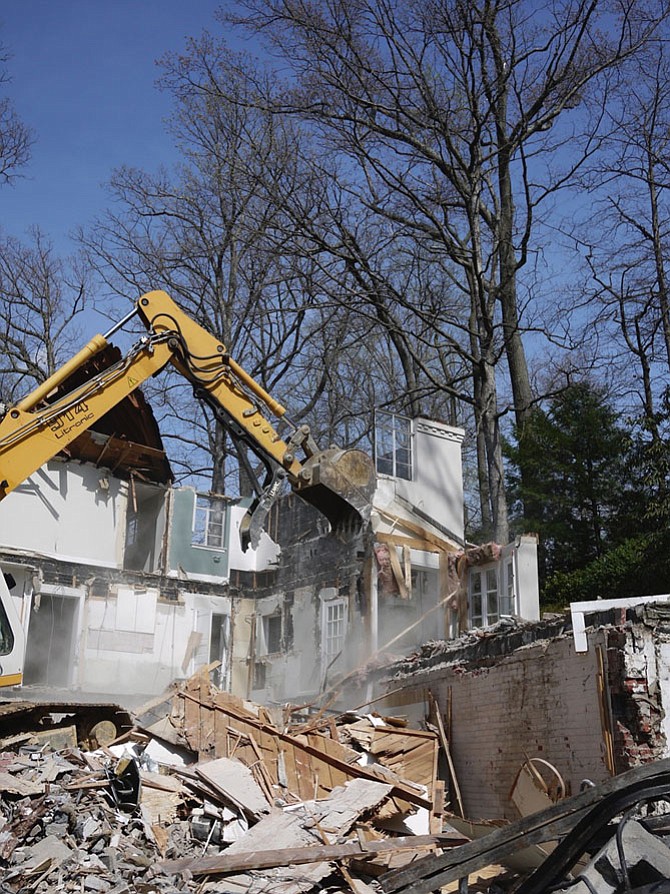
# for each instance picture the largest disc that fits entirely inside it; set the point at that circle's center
(126, 440)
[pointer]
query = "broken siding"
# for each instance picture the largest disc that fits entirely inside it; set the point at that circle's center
(637, 660)
(143, 642)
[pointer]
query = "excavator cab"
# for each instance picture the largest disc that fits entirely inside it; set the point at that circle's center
(12, 638)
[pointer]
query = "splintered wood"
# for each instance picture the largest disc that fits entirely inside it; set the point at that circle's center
(212, 793)
(307, 765)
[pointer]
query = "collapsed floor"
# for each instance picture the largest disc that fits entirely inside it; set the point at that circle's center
(210, 793)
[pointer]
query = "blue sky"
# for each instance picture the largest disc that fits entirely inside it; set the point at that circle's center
(83, 77)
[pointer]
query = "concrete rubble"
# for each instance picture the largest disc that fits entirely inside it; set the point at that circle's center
(210, 793)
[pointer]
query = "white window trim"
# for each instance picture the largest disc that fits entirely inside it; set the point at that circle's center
(216, 549)
(331, 600)
(502, 582)
(393, 458)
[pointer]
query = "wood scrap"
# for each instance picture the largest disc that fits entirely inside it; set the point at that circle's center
(236, 783)
(315, 853)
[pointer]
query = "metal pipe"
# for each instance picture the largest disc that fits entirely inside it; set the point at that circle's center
(260, 392)
(121, 323)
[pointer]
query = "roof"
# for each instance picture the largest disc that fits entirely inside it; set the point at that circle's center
(126, 440)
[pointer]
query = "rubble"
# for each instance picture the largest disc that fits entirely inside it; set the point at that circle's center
(210, 793)
(207, 787)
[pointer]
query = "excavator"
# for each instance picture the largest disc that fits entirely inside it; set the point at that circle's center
(336, 481)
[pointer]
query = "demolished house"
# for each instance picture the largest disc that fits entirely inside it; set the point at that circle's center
(210, 793)
(122, 577)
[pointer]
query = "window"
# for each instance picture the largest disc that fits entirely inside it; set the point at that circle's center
(334, 628)
(476, 608)
(491, 594)
(393, 445)
(219, 636)
(268, 634)
(209, 522)
(272, 624)
(507, 596)
(132, 528)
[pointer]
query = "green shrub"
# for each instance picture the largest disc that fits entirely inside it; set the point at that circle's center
(640, 566)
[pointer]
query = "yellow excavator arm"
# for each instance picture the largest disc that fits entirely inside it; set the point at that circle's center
(337, 482)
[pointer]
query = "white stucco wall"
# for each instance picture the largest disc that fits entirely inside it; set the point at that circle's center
(253, 559)
(527, 582)
(436, 489)
(62, 511)
(140, 650)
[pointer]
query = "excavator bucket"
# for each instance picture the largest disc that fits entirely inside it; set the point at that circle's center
(340, 484)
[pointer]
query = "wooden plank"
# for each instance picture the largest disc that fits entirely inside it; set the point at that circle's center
(412, 542)
(207, 719)
(283, 856)
(397, 573)
(220, 734)
(290, 769)
(421, 532)
(435, 710)
(310, 755)
(437, 814)
(237, 785)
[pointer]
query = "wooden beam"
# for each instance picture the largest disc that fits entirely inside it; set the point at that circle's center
(225, 863)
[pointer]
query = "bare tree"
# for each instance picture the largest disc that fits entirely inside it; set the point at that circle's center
(16, 138)
(451, 120)
(632, 189)
(40, 297)
(213, 235)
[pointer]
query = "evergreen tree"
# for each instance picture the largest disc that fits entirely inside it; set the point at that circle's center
(575, 460)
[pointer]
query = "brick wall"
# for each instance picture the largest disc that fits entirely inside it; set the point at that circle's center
(635, 664)
(540, 701)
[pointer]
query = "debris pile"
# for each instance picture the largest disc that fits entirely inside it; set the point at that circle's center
(211, 793)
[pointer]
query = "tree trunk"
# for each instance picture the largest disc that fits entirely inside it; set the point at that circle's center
(491, 427)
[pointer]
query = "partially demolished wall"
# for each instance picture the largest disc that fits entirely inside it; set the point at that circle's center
(522, 691)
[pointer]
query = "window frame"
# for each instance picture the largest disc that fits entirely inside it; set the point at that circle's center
(332, 644)
(273, 636)
(396, 429)
(213, 502)
(480, 593)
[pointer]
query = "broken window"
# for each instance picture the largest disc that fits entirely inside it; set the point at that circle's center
(393, 445)
(268, 634)
(334, 628)
(209, 522)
